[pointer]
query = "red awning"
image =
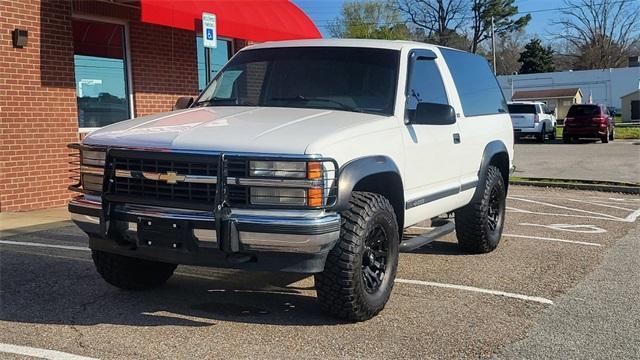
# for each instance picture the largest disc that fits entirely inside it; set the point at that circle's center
(256, 20)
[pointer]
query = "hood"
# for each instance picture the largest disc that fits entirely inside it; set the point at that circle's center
(233, 128)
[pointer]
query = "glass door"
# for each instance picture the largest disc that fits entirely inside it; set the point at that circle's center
(100, 73)
(211, 60)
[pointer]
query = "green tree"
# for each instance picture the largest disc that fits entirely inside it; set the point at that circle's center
(536, 58)
(372, 19)
(502, 12)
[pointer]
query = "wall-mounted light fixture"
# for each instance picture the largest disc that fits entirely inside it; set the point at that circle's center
(19, 37)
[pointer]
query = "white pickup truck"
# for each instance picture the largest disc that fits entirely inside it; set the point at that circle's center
(533, 118)
(306, 156)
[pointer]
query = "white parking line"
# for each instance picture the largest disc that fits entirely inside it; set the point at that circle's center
(551, 239)
(513, 209)
(65, 247)
(167, 314)
(592, 198)
(577, 228)
(564, 207)
(406, 281)
(600, 204)
(40, 353)
(633, 216)
(476, 289)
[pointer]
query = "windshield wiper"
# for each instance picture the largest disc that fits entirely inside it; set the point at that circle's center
(306, 99)
(215, 100)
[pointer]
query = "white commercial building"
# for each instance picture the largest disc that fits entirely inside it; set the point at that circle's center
(604, 86)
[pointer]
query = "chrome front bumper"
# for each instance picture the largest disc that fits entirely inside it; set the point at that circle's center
(282, 231)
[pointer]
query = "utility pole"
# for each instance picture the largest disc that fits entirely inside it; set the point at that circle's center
(493, 46)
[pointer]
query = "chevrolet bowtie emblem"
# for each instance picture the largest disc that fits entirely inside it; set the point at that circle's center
(171, 177)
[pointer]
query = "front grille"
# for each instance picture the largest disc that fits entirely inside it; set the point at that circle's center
(182, 164)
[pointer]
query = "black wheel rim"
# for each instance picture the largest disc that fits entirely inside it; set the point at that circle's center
(374, 259)
(494, 212)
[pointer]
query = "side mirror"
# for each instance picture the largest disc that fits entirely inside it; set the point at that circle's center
(433, 114)
(183, 102)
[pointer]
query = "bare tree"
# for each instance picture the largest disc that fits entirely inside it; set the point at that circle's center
(369, 19)
(441, 19)
(508, 49)
(601, 33)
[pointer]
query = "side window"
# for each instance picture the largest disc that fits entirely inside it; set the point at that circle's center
(425, 85)
(477, 86)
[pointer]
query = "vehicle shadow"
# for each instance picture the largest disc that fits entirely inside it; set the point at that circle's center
(439, 248)
(65, 289)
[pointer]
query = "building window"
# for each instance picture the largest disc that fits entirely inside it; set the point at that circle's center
(211, 60)
(101, 73)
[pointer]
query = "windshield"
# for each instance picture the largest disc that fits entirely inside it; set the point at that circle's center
(522, 109)
(337, 78)
(584, 110)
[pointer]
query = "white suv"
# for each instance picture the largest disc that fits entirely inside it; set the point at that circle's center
(533, 118)
(304, 156)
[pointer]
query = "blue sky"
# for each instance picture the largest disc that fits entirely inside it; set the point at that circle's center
(323, 11)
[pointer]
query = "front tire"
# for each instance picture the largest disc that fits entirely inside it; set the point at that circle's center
(131, 273)
(479, 224)
(361, 268)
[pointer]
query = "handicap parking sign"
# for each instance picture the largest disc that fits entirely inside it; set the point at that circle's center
(209, 30)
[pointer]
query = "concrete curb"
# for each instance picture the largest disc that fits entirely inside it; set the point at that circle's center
(621, 188)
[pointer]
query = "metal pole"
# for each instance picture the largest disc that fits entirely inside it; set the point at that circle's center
(493, 46)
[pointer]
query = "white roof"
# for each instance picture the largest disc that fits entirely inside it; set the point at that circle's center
(362, 43)
(526, 102)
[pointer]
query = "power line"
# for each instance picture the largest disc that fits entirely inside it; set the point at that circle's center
(328, 21)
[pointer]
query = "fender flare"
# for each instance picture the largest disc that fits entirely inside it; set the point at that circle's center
(492, 149)
(355, 170)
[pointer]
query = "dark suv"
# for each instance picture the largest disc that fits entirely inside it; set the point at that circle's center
(588, 121)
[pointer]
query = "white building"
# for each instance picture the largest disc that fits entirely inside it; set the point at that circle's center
(605, 86)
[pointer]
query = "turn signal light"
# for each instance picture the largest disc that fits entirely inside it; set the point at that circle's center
(314, 197)
(314, 170)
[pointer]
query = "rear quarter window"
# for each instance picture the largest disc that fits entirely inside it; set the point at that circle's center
(583, 110)
(522, 109)
(477, 86)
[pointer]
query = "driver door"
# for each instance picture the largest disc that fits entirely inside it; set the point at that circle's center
(432, 173)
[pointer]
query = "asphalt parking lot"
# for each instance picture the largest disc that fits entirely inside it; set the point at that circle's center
(545, 292)
(618, 160)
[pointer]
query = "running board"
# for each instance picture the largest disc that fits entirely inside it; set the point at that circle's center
(441, 227)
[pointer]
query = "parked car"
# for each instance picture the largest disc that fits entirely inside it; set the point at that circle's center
(304, 156)
(588, 121)
(533, 118)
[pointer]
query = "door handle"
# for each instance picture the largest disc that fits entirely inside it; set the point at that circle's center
(456, 138)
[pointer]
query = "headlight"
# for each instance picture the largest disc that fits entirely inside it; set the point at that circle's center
(306, 186)
(278, 196)
(91, 169)
(93, 158)
(286, 169)
(91, 182)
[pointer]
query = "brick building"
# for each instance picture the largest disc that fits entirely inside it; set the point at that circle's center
(87, 64)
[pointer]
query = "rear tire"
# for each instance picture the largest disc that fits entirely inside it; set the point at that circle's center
(131, 273)
(479, 224)
(612, 135)
(567, 139)
(605, 138)
(361, 268)
(543, 133)
(552, 135)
